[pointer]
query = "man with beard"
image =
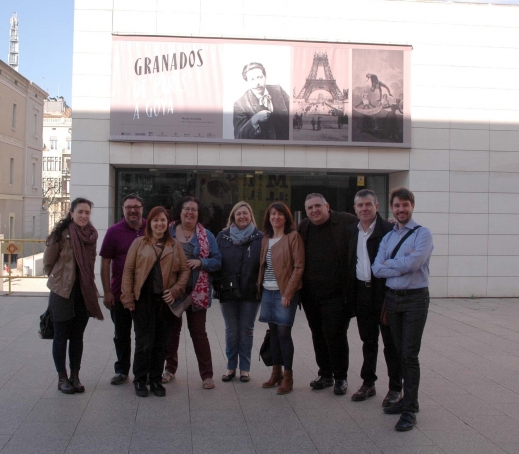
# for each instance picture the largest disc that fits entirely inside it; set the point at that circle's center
(403, 260)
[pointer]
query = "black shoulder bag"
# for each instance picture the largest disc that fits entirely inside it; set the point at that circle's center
(383, 315)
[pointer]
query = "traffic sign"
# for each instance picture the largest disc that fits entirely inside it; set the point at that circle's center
(12, 247)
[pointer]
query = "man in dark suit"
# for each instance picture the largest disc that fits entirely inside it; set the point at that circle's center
(367, 292)
(263, 111)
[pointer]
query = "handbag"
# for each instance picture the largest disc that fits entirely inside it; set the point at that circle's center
(46, 330)
(227, 288)
(383, 313)
(178, 307)
(265, 350)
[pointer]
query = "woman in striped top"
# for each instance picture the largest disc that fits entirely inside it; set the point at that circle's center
(282, 262)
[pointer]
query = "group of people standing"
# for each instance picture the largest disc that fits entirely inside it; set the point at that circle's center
(335, 265)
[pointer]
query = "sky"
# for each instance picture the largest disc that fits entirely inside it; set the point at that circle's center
(45, 30)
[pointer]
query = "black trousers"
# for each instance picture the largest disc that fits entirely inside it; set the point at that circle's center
(122, 319)
(151, 326)
(70, 331)
(368, 323)
(329, 322)
(407, 316)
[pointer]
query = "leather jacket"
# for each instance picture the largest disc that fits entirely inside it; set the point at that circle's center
(59, 263)
(140, 260)
(288, 262)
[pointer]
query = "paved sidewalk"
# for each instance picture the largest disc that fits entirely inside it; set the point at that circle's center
(468, 404)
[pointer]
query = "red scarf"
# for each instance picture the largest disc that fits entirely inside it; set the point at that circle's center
(200, 293)
(84, 241)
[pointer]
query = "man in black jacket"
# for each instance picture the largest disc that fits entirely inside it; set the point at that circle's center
(367, 293)
(323, 294)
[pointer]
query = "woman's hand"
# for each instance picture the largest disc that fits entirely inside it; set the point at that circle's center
(285, 302)
(131, 307)
(167, 296)
(193, 264)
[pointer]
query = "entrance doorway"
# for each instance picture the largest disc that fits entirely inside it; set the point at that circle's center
(220, 191)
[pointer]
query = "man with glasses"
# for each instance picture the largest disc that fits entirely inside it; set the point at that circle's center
(116, 243)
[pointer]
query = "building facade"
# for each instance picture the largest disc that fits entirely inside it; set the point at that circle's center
(462, 161)
(57, 149)
(21, 124)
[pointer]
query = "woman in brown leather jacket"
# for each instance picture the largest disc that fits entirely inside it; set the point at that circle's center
(282, 262)
(69, 260)
(155, 272)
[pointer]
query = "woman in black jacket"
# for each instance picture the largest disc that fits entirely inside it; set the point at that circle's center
(240, 246)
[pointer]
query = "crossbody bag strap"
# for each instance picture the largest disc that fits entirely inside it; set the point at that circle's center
(406, 236)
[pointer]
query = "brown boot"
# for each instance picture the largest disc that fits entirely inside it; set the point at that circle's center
(63, 384)
(287, 384)
(74, 380)
(275, 378)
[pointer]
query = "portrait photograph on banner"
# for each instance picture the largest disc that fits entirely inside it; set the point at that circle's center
(256, 91)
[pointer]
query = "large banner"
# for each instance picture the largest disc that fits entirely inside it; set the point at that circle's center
(268, 92)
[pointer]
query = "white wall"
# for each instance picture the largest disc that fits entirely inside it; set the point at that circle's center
(464, 162)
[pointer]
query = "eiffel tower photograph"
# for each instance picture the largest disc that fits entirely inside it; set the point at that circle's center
(320, 100)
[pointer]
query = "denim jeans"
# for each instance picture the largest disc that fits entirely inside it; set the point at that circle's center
(239, 320)
(407, 316)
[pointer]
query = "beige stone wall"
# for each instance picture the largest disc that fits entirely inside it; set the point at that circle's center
(464, 162)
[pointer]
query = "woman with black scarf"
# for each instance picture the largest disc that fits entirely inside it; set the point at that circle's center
(69, 260)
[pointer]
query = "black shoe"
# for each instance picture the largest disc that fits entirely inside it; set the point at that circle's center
(157, 389)
(228, 377)
(118, 379)
(340, 387)
(363, 393)
(65, 386)
(321, 382)
(140, 389)
(392, 398)
(406, 422)
(75, 382)
(398, 409)
(245, 378)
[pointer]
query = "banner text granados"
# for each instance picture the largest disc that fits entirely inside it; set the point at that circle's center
(168, 62)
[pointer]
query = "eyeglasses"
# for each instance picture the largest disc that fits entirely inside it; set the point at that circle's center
(134, 207)
(193, 210)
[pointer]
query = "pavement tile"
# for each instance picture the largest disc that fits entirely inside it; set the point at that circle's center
(499, 429)
(388, 436)
(35, 445)
(466, 405)
(222, 445)
(158, 443)
(461, 441)
(337, 442)
(284, 442)
(468, 396)
(57, 410)
(3, 440)
(412, 450)
(218, 422)
(93, 444)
